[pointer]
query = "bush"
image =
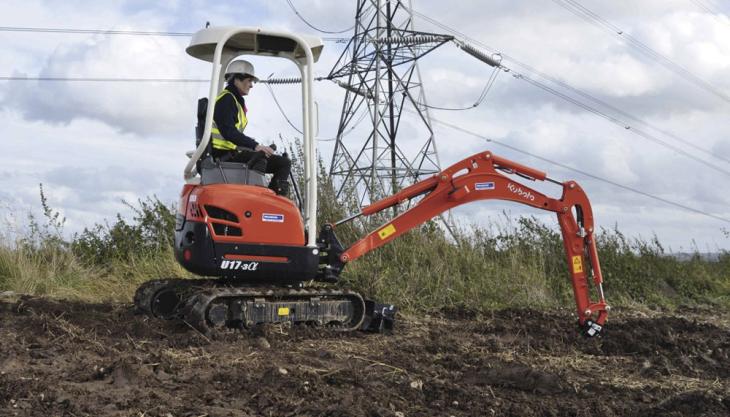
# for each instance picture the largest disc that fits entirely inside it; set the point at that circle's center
(105, 262)
(149, 232)
(517, 262)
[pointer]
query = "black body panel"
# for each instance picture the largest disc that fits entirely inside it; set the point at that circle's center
(206, 258)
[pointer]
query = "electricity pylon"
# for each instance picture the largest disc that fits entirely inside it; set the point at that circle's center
(379, 73)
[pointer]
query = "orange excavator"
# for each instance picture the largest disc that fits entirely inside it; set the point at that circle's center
(259, 249)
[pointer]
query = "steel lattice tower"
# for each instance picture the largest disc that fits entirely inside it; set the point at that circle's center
(382, 82)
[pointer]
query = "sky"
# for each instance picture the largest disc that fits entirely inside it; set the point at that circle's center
(650, 143)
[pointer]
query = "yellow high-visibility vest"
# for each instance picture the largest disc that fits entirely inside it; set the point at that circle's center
(219, 142)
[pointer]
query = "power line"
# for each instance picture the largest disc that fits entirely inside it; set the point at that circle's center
(294, 9)
(93, 31)
(479, 100)
(616, 109)
(595, 19)
(706, 7)
(618, 122)
(105, 80)
(120, 32)
(587, 174)
(539, 85)
(580, 104)
(717, 14)
(281, 110)
(292, 80)
(168, 80)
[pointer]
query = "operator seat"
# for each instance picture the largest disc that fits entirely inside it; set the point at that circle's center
(213, 171)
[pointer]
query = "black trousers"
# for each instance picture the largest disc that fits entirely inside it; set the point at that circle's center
(278, 165)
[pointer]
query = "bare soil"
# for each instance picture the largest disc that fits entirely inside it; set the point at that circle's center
(68, 358)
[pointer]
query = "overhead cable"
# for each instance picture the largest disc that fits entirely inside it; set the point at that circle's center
(289, 80)
(574, 101)
(587, 174)
(120, 32)
(93, 31)
(106, 79)
(618, 122)
(614, 109)
(281, 110)
(493, 60)
(479, 100)
(294, 9)
(704, 7)
(717, 14)
(595, 19)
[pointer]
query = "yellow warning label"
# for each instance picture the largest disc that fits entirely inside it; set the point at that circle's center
(283, 311)
(386, 231)
(577, 264)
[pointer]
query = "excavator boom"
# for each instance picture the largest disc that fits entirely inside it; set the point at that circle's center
(482, 177)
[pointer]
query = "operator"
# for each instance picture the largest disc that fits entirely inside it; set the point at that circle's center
(230, 144)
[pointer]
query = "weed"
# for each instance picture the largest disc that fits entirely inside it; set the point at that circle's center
(517, 262)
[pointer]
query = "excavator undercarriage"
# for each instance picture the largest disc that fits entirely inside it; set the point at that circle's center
(208, 305)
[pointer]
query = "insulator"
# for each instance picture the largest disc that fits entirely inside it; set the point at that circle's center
(358, 91)
(415, 39)
(289, 80)
(489, 60)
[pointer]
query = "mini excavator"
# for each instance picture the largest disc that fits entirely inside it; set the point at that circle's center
(258, 249)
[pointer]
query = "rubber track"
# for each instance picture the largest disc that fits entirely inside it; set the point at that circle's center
(195, 310)
(145, 294)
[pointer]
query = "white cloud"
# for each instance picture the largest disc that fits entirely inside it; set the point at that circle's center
(696, 41)
(93, 144)
(141, 107)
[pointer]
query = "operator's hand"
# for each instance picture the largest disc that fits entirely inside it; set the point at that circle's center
(265, 149)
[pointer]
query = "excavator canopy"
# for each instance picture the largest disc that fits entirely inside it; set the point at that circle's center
(221, 45)
(250, 41)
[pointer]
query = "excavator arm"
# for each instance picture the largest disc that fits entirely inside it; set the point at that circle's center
(480, 177)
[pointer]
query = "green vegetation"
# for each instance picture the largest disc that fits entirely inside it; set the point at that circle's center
(106, 262)
(520, 262)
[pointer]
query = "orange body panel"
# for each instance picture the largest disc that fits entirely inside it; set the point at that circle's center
(250, 214)
(257, 258)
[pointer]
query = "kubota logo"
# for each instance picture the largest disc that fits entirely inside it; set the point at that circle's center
(520, 192)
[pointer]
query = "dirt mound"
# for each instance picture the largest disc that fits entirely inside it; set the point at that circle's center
(78, 359)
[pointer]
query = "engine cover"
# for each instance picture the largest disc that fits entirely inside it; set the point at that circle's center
(243, 232)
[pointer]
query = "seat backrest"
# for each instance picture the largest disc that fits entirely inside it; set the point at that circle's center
(200, 126)
(215, 172)
(199, 130)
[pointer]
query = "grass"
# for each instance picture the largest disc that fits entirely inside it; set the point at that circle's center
(526, 266)
(104, 263)
(518, 263)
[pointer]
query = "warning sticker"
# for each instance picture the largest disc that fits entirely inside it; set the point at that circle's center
(481, 186)
(283, 311)
(577, 264)
(386, 231)
(275, 218)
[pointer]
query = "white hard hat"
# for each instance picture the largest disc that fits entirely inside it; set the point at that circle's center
(241, 67)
